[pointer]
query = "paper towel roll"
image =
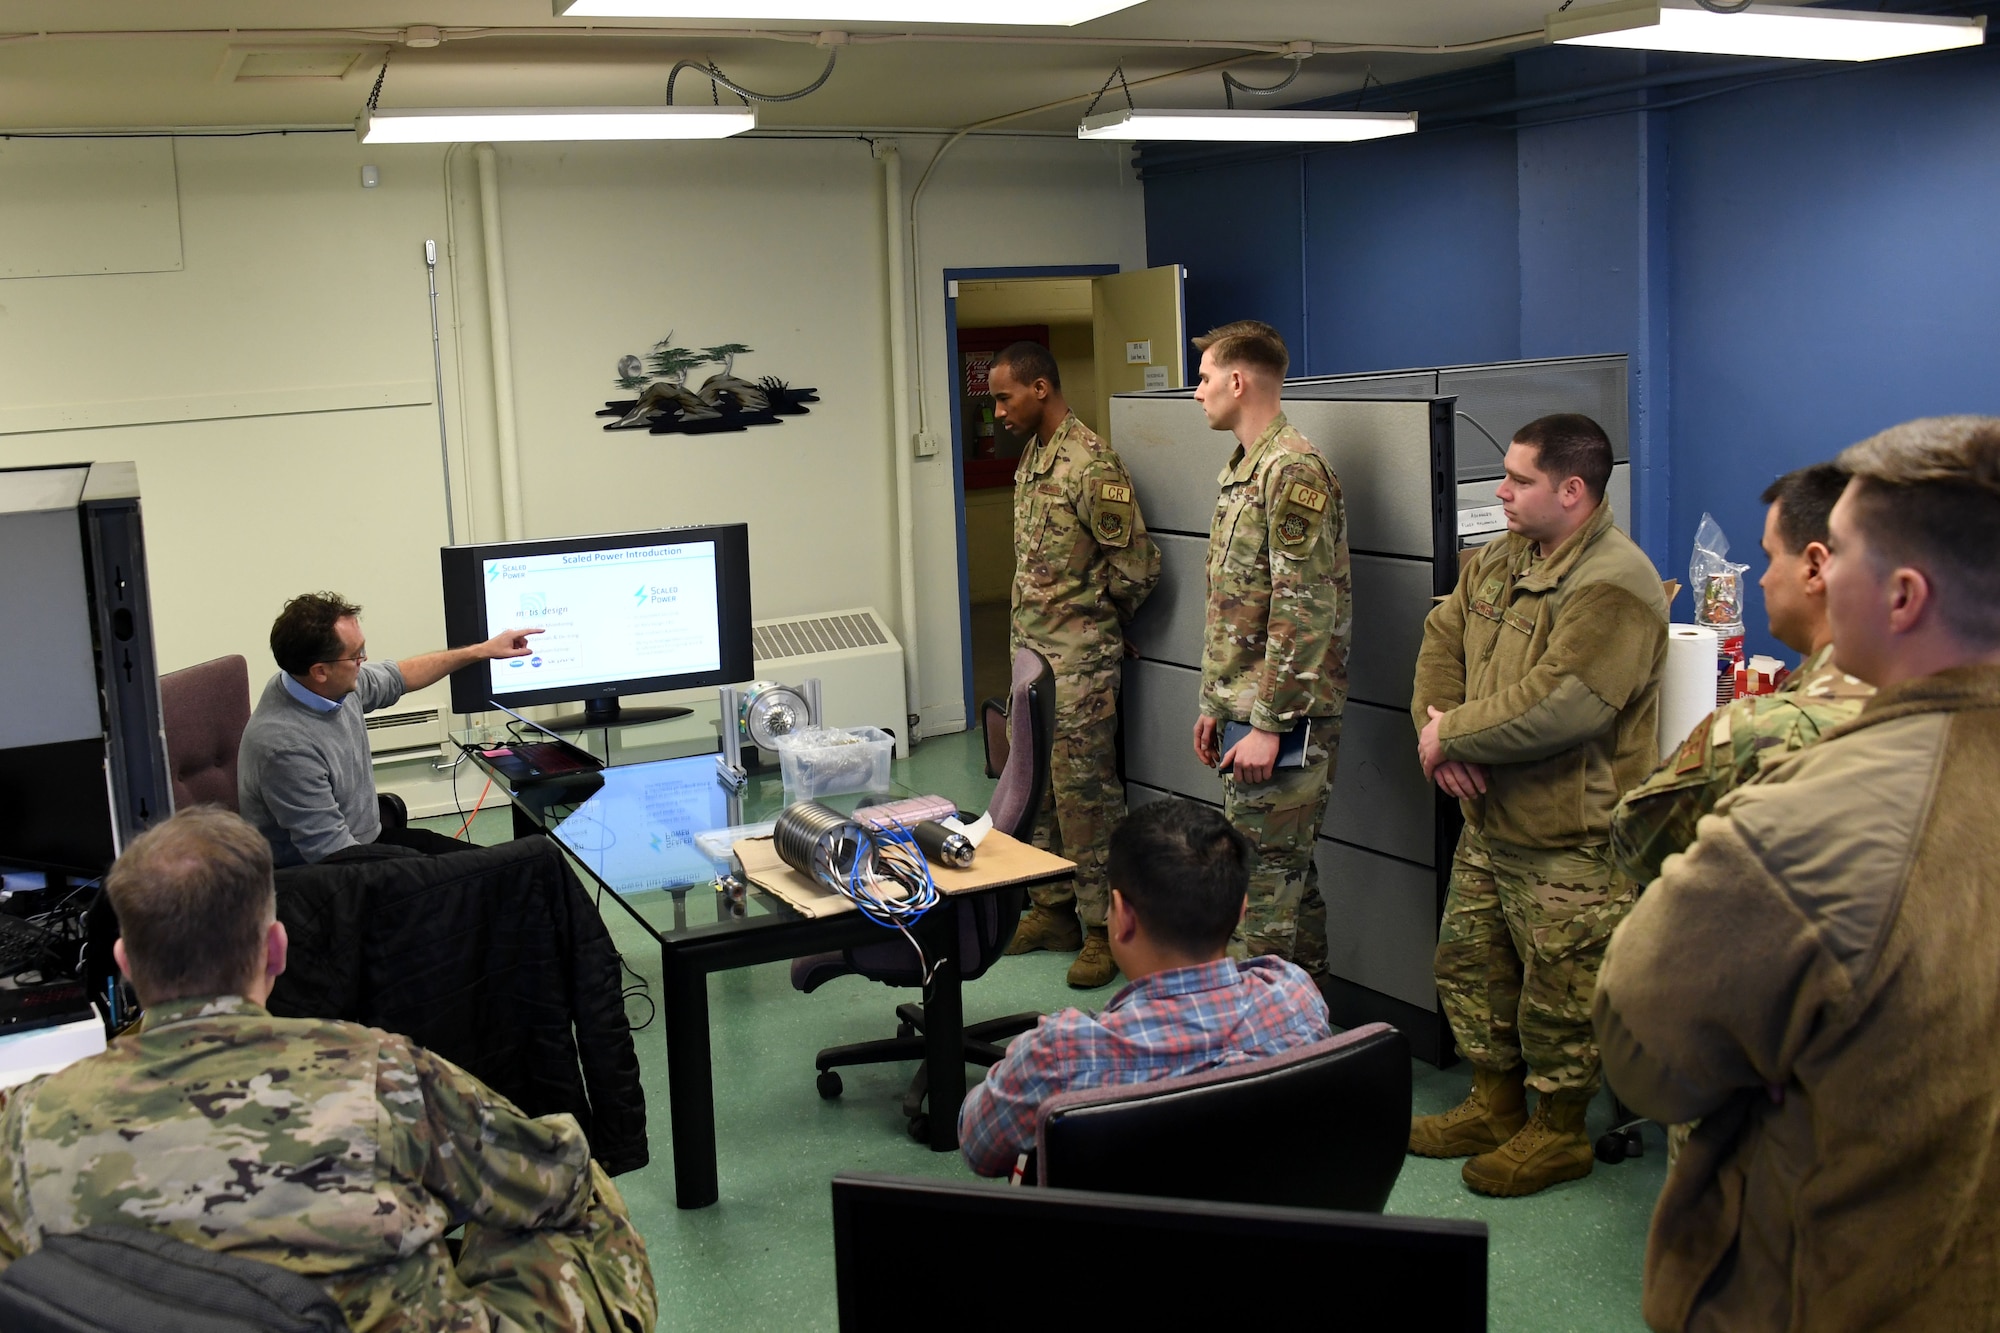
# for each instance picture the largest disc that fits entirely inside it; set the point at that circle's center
(1687, 690)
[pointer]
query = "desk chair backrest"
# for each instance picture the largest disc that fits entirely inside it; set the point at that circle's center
(1323, 1126)
(1031, 731)
(204, 710)
(987, 924)
(115, 1279)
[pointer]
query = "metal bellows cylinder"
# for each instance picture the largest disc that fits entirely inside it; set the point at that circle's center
(802, 829)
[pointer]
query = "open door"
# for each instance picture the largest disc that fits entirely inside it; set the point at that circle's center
(1139, 334)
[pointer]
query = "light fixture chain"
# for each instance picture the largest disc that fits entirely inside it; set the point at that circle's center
(1117, 74)
(375, 93)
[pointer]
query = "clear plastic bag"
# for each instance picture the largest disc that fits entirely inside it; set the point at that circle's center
(1715, 581)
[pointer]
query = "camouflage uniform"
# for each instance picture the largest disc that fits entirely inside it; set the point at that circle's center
(339, 1152)
(1274, 654)
(1547, 670)
(1082, 567)
(1726, 749)
(1523, 933)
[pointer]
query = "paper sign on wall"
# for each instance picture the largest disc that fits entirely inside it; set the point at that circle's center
(1156, 377)
(1483, 519)
(1139, 354)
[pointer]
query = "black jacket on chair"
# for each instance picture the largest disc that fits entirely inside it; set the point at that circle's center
(494, 958)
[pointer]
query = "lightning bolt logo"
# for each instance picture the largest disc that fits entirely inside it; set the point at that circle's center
(639, 597)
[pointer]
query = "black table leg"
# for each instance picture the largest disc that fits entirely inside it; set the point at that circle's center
(944, 1034)
(690, 1085)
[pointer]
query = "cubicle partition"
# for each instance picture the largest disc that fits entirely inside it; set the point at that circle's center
(1413, 498)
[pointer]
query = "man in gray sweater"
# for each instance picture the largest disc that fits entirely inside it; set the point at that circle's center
(303, 776)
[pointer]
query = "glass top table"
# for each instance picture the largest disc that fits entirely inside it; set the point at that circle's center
(640, 830)
(633, 829)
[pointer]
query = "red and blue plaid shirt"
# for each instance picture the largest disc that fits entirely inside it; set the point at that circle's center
(1176, 1022)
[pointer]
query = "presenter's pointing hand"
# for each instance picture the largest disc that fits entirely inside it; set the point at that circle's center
(509, 643)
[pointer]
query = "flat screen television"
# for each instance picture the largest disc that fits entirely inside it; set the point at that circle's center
(621, 613)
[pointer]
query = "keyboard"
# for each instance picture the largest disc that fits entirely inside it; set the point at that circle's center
(25, 947)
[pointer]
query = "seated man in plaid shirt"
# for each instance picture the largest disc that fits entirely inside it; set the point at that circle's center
(1178, 875)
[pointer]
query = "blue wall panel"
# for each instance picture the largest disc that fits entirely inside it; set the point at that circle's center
(1832, 275)
(1819, 268)
(1411, 257)
(1236, 229)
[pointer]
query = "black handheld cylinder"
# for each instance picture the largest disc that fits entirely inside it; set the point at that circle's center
(944, 846)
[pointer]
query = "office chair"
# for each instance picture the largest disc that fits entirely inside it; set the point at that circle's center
(986, 922)
(1323, 1126)
(203, 710)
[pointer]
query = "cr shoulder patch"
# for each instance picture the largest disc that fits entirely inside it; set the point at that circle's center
(1112, 524)
(1308, 497)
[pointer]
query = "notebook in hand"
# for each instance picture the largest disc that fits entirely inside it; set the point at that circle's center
(1291, 744)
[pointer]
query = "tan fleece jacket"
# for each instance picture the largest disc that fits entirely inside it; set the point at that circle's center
(1818, 980)
(1548, 671)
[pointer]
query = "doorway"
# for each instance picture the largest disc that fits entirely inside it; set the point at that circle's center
(1109, 332)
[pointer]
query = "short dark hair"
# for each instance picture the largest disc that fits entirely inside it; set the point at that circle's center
(193, 896)
(1184, 870)
(1247, 342)
(1805, 496)
(1028, 362)
(1569, 444)
(1927, 494)
(304, 634)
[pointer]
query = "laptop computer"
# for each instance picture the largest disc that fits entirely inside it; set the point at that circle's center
(549, 756)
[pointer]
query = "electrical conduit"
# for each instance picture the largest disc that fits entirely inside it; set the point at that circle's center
(500, 331)
(901, 441)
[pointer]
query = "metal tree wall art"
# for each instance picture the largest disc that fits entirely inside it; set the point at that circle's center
(667, 406)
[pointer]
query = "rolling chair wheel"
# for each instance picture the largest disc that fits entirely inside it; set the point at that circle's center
(1611, 1147)
(829, 1084)
(920, 1128)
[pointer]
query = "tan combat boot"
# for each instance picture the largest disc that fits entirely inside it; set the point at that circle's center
(1095, 966)
(1551, 1147)
(1053, 928)
(1491, 1114)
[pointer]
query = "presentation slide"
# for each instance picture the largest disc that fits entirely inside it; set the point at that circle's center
(605, 615)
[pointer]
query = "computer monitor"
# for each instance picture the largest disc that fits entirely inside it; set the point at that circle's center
(622, 613)
(908, 1251)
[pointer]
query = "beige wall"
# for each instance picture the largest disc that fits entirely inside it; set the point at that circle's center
(276, 390)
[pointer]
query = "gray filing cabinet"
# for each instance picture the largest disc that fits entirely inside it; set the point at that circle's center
(1406, 474)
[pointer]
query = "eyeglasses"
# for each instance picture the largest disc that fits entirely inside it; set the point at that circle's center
(357, 659)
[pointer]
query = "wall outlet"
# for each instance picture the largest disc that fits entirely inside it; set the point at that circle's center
(927, 445)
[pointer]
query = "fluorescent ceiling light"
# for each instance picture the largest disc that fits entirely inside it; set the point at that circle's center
(1249, 126)
(499, 124)
(1030, 13)
(1784, 31)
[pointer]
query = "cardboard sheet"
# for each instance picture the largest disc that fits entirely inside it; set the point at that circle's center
(1001, 861)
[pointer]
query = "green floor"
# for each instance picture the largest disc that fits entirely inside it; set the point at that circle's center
(762, 1257)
